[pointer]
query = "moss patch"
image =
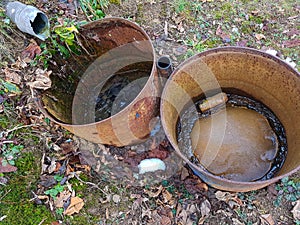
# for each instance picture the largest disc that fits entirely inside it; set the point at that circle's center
(15, 197)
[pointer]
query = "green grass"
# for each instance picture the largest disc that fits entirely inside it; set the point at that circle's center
(94, 9)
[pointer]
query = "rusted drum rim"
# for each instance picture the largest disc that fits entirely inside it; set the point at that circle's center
(149, 87)
(206, 176)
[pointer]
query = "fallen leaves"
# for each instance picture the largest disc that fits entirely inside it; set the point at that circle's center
(160, 151)
(205, 209)
(165, 220)
(57, 171)
(242, 43)
(42, 80)
(260, 36)
(154, 194)
(6, 168)
(31, 51)
(230, 198)
(236, 222)
(12, 76)
(296, 210)
(195, 185)
(62, 199)
(267, 219)
(178, 20)
(225, 37)
(75, 206)
(186, 214)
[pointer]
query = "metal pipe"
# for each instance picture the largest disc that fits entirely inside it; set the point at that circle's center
(28, 19)
(164, 66)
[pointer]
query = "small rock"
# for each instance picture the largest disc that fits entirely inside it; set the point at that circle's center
(116, 198)
(151, 165)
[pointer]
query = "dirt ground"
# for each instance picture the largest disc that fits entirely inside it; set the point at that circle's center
(50, 154)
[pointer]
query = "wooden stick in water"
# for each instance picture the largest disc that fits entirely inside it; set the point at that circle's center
(213, 101)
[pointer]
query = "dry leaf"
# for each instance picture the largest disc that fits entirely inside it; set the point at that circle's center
(43, 197)
(225, 37)
(289, 61)
(296, 210)
(184, 173)
(6, 168)
(61, 199)
(52, 166)
(165, 220)
(181, 217)
(230, 198)
(272, 189)
(205, 208)
(31, 51)
(12, 77)
(221, 195)
(180, 27)
(154, 194)
(236, 222)
(42, 80)
(167, 196)
(255, 12)
(260, 36)
(267, 219)
(75, 206)
(19, 64)
(242, 43)
(292, 32)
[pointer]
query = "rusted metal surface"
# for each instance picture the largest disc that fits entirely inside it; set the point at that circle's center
(112, 45)
(263, 77)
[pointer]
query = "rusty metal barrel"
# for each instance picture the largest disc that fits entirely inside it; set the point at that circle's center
(265, 78)
(114, 50)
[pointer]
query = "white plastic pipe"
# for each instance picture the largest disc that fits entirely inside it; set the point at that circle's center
(28, 19)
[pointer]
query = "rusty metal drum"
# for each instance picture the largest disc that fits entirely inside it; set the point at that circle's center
(265, 78)
(113, 49)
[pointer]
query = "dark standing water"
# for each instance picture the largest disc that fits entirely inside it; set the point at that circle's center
(118, 92)
(253, 144)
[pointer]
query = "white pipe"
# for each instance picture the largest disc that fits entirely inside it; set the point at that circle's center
(28, 19)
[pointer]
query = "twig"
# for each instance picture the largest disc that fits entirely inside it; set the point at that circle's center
(5, 194)
(76, 7)
(42, 162)
(89, 183)
(7, 36)
(2, 218)
(7, 142)
(16, 128)
(42, 221)
(81, 45)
